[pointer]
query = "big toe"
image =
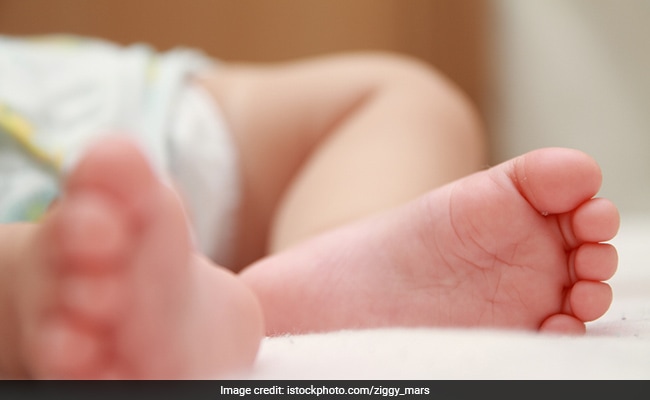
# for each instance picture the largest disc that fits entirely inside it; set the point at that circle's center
(556, 180)
(116, 167)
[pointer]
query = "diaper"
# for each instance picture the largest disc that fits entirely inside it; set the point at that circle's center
(59, 93)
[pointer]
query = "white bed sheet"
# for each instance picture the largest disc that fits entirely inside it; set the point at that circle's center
(617, 346)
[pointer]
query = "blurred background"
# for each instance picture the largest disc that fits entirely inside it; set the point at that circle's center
(573, 73)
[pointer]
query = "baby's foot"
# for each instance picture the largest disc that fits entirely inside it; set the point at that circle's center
(516, 246)
(113, 289)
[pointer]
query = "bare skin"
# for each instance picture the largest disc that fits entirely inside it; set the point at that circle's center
(326, 141)
(298, 128)
(516, 246)
(113, 280)
(110, 278)
(111, 287)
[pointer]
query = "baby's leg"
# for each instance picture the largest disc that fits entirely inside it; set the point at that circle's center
(108, 285)
(516, 246)
(327, 141)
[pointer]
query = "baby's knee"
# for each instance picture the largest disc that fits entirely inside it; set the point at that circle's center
(446, 100)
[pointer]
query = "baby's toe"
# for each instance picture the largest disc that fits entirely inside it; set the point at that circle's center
(590, 300)
(63, 349)
(595, 262)
(597, 220)
(563, 324)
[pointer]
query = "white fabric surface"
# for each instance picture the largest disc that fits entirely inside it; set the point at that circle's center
(617, 346)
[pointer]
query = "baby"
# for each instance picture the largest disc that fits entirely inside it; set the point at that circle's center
(230, 202)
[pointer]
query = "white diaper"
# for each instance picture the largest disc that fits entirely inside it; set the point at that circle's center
(58, 93)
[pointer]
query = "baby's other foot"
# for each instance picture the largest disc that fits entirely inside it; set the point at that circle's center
(114, 290)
